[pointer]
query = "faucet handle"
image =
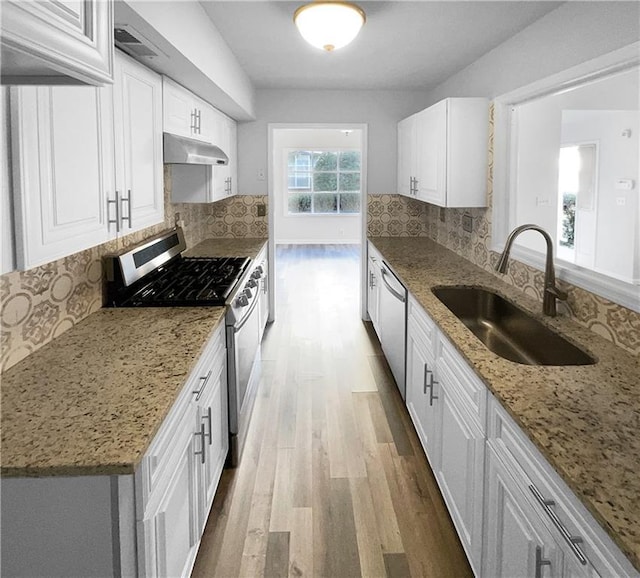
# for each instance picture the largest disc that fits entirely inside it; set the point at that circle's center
(558, 293)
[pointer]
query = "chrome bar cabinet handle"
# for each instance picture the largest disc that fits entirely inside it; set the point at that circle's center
(201, 453)
(430, 384)
(208, 418)
(572, 541)
(128, 201)
(116, 203)
(204, 380)
(540, 562)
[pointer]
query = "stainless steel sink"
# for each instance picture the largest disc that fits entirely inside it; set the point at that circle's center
(509, 331)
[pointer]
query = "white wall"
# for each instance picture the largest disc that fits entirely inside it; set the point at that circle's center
(310, 228)
(6, 208)
(380, 110)
(573, 33)
(617, 210)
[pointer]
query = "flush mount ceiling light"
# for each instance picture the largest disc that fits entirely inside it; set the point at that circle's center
(329, 25)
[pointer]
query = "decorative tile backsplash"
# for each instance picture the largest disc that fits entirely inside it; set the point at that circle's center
(39, 304)
(610, 320)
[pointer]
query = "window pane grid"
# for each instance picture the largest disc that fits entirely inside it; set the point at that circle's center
(326, 182)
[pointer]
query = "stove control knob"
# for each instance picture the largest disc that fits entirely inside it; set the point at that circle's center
(242, 300)
(251, 283)
(257, 273)
(247, 293)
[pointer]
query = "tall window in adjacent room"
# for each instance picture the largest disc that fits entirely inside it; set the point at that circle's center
(323, 182)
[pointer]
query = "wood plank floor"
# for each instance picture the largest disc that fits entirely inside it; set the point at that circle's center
(333, 481)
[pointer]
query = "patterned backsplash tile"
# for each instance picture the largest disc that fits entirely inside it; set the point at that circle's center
(39, 304)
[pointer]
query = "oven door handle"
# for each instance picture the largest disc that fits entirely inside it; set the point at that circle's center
(238, 326)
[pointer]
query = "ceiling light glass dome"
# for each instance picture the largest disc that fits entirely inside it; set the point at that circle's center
(329, 25)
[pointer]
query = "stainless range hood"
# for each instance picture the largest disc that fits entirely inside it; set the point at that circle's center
(187, 151)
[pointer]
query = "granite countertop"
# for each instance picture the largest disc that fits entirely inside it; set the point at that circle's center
(91, 401)
(249, 247)
(584, 419)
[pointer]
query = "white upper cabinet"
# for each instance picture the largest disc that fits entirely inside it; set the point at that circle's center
(63, 178)
(87, 163)
(138, 136)
(442, 153)
(187, 115)
(407, 156)
(53, 42)
(225, 176)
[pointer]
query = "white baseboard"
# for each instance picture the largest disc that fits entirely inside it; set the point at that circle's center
(317, 241)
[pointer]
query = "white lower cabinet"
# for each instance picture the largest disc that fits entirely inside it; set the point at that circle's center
(422, 389)
(517, 543)
(515, 517)
(587, 550)
(168, 534)
(448, 424)
(460, 471)
(179, 474)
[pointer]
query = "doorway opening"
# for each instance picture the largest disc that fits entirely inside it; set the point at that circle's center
(317, 187)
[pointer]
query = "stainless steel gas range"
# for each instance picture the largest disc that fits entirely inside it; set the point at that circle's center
(155, 274)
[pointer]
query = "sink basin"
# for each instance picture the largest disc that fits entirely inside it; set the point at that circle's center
(509, 331)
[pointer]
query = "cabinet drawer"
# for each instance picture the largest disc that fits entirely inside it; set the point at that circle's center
(156, 465)
(423, 326)
(468, 386)
(540, 482)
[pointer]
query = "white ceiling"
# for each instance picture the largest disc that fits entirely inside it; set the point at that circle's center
(403, 45)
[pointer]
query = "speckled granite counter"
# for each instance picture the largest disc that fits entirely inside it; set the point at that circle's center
(584, 419)
(91, 401)
(249, 247)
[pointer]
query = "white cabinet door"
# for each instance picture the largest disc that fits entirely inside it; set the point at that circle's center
(431, 151)
(208, 123)
(422, 388)
(138, 130)
(178, 109)
(57, 42)
(517, 544)
(168, 536)
(62, 144)
(442, 153)
(212, 414)
(225, 176)
(406, 156)
(184, 114)
(460, 470)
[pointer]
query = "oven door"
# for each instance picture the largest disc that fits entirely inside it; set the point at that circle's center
(243, 348)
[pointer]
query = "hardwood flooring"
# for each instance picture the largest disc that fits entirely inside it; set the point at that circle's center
(333, 480)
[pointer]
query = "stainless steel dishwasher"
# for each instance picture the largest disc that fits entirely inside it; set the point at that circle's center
(392, 320)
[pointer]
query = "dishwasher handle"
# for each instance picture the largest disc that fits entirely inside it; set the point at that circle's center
(393, 291)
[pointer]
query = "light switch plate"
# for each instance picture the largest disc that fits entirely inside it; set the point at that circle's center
(467, 223)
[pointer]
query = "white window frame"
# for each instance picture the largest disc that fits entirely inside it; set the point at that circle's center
(311, 172)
